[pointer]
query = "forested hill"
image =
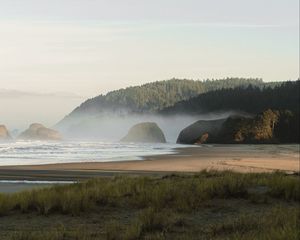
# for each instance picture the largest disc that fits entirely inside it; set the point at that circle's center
(155, 96)
(251, 99)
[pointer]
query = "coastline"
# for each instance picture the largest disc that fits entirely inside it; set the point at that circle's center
(241, 158)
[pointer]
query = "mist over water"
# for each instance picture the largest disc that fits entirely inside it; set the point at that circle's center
(112, 127)
(97, 139)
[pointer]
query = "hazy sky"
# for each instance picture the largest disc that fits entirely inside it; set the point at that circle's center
(88, 47)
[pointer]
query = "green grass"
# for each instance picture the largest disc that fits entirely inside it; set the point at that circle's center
(180, 192)
(166, 207)
(279, 223)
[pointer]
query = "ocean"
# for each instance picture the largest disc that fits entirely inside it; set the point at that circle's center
(41, 152)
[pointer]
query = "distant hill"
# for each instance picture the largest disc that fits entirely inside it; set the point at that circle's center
(155, 96)
(251, 99)
(110, 116)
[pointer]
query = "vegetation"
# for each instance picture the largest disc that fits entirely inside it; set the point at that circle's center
(266, 127)
(245, 96)
(208, 205)
(158, 95)
(276, 110)
(252, 99)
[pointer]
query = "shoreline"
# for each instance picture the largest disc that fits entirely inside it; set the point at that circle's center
(241, 158)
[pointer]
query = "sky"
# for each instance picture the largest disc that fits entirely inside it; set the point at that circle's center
(87, 47)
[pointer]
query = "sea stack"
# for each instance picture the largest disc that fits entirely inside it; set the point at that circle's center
(145, 132)
(202, 131)
(4, 134)
(37, 131)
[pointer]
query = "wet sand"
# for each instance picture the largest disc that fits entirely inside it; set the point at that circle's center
(241, 158)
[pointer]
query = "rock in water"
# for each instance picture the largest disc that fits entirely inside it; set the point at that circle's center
(4, 134)
(145, 132)
(37, 131)
(200, 132)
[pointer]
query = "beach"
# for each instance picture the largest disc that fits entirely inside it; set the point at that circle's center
(200, 199)
(240, 158)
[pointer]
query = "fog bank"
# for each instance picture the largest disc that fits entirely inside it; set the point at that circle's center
(110, 127)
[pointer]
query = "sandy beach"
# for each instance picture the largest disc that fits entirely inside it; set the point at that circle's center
(241, 158)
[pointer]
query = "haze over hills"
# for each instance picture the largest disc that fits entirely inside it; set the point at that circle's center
(93, 147)
(158, 95)
(274, 115)
(114, 113)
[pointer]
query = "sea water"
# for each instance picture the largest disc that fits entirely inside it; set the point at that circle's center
(41, 152)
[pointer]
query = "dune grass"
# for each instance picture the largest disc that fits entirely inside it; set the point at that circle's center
(180, 192)
(162, 204)
(279, 223)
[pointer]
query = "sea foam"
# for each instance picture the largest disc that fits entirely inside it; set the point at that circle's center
(39, 152)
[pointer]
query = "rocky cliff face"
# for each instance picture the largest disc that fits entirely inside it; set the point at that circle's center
(4, 134)
(201, 132)
(145, 132)
(270, 126)
(258, 129)
(37, 131)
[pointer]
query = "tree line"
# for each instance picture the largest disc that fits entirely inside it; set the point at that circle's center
(250, 99)
(155, 96)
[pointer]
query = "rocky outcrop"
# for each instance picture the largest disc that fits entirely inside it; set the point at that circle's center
(145, 132)
(257, 129)
(4, 134)
(270, 126)
(37, 131)
(202, 131)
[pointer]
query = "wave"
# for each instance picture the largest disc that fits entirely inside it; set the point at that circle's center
(38, 152)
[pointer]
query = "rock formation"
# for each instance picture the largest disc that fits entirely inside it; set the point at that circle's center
(145, 132)
(258, 129)
(4, 134)
(201, 132)
(37, 131)
(270, 126)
